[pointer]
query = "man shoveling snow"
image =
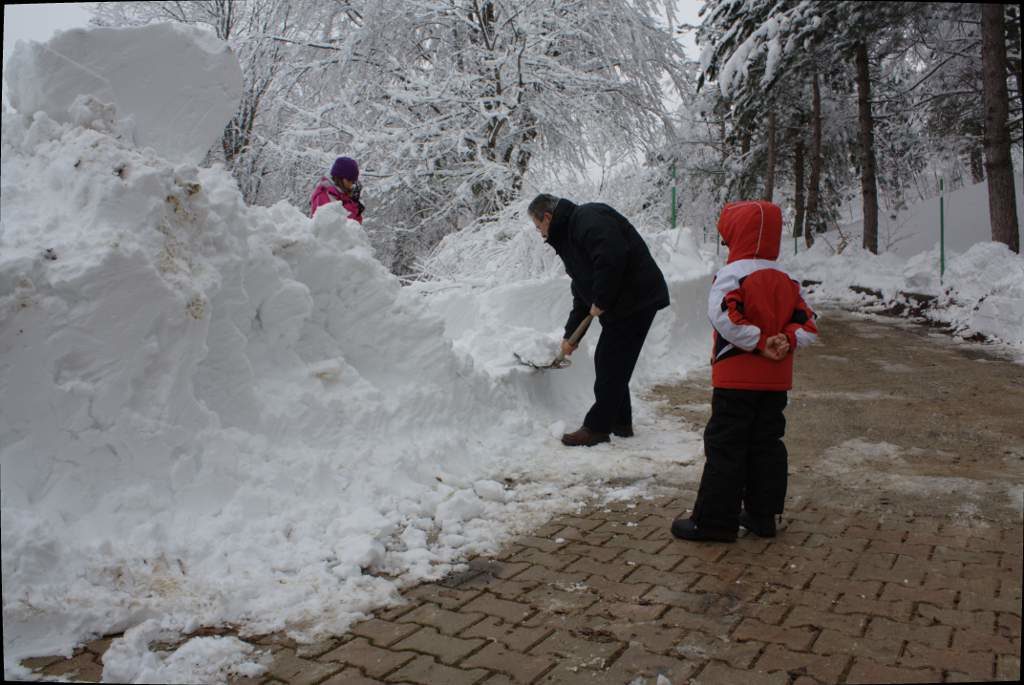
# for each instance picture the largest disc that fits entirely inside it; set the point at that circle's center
(615, 279)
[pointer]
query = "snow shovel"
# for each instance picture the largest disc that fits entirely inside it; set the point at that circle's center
(560, 362)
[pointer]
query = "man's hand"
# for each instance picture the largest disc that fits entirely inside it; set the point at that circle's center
(595, 310)
(776, 347)
(568, 348)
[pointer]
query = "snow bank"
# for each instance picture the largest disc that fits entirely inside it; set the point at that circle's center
(171, 87)
(981, 291)
(212, 413)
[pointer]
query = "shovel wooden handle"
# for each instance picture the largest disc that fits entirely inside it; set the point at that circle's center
(574, 339)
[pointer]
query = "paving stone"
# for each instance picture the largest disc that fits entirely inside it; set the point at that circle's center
(38, 662)
(832, 642)
(719, 569)
(821, 601)
(933, 636)
(867, 671)
(971, 601)
(627, 611)
(598, 554)
(383, 633)
(840, 569)
(978, 665)
(541, 575)
(311, 650)
(446, 648)
(350, 676)
(555, 562)
(615, 572)
(956, 617)
(738, 588)
(100, 646)
(516, 638)
(580, 522)
(867, 589)
(973, 640)
(654, 576)
(522, 668)
(374, 661)
(717, 673)
(617, 592)
(849, 624)
(797, 638)
(502, 608)
(590, 650)
(82, 667)
(661, 561)
(505, 589)
(392, 613)
(427, 671)
(447, 622)
(692, 601)
(1008, 625)
(649, 546)
(589, 538)
(700, 646)
(936, 597)
(1008, 667)
(551, 598)
(714, 625)
(826, 669)
(653, 636)
(291, 668)
(898, 610)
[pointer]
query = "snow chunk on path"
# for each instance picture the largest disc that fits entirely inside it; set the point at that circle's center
(174, 87)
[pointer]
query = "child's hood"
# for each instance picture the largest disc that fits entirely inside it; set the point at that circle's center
(752, 229)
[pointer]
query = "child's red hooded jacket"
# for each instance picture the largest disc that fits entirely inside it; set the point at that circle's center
(753, 299)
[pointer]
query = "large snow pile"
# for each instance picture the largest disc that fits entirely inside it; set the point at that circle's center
(170, 87)
(213, 413)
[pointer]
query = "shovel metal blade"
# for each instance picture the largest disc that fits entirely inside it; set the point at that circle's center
(556, 364)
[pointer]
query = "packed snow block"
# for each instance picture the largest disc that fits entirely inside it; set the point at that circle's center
(174, 87)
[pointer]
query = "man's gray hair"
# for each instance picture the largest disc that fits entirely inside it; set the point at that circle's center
(541, 204)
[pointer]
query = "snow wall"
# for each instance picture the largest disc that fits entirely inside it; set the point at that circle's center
(215, 413)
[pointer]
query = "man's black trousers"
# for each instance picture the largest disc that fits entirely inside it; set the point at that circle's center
(618, 348)
(746, 458)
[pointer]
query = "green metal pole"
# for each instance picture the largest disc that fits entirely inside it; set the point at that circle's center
(794, 243)
(673, 196)
(942, 231)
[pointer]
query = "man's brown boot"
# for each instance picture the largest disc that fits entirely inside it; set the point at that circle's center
(584, 437)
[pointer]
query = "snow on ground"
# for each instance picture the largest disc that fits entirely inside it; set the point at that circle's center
(212, 413)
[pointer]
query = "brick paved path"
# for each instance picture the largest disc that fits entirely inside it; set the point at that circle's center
(899, 558)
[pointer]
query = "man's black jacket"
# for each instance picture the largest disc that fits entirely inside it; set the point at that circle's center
(607, 260)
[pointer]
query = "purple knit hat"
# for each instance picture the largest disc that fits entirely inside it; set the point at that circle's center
(345, 167)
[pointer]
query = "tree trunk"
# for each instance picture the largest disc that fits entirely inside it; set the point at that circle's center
(798, 185)
(868, 182)
(811, 221)
(977, 164)
(769, 179)
(998, 162)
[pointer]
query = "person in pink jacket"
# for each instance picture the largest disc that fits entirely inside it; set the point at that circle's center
(342, 186)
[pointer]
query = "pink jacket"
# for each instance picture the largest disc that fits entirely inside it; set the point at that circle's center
(326, 191)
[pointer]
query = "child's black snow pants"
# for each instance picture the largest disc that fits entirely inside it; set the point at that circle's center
(746, 458)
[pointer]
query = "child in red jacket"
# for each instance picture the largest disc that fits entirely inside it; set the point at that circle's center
(759, 318)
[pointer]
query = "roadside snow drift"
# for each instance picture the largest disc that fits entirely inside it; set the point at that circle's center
(213, 413)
